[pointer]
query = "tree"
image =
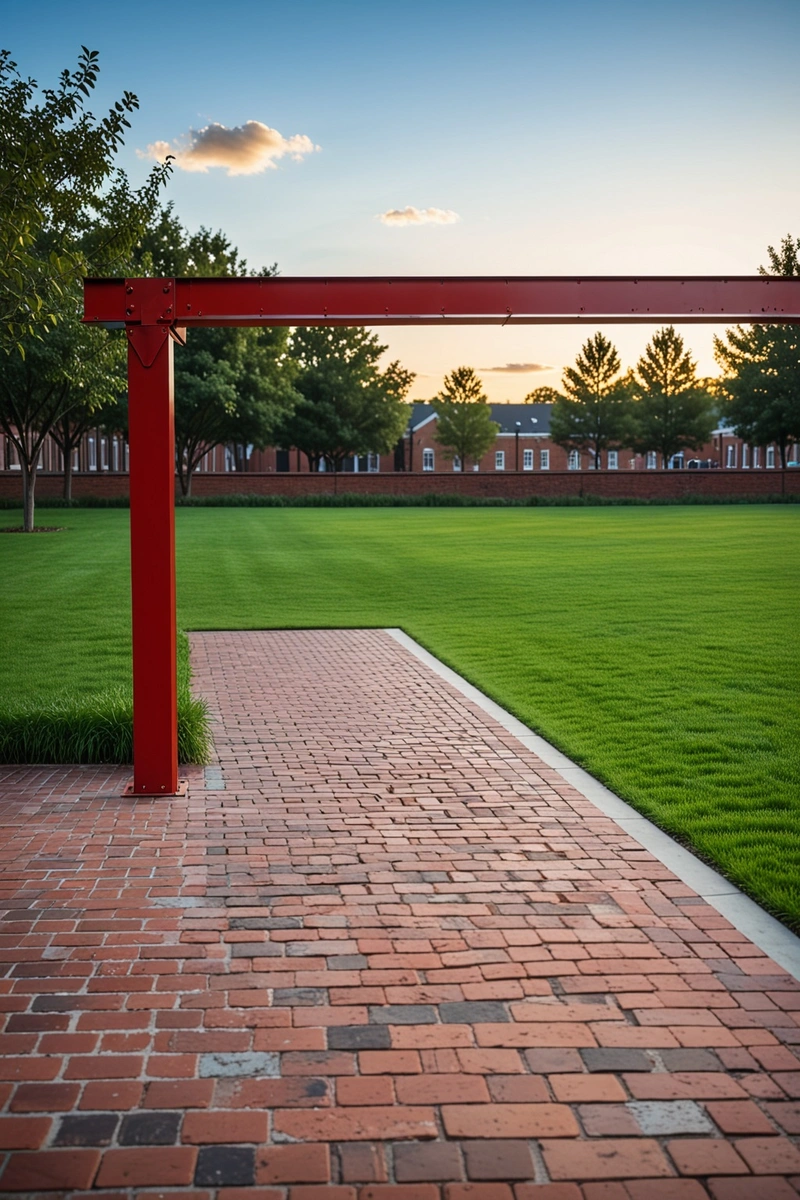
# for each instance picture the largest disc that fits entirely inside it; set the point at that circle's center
(64, 379)
(93, 396)
(63, 206)
(762, 366)
(595, 413)
(231, 385)
(465, 428)
(347, 406)
(543, 395)
(65, 212)
(673, 411)
(785, 260)
(167, 249)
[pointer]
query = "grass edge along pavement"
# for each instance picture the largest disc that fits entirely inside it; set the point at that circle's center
(98, 728)
(656, 647)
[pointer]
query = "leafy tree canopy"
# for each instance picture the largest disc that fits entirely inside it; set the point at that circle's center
(167, 249)
(465, 428)
(231, 385)
(348, 405)
(59, 386)
(543, 395)
(65, 211)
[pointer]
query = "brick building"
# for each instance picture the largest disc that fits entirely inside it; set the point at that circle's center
(523, 444)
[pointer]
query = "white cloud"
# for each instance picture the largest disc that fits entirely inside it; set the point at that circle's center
(244, 150)
(519, 368)
(419, 216)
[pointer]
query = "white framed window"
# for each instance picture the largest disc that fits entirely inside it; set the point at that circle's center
(730, 456)
(527, 460)
(745, 456)
(770, 456)
(456, 463)
(115, 454)
(756, 456)
(373, 462)
(574, 461)
(613, 460)
(92, 454)
(427, 460)
(103, 454)
(499, 460)
(127, 457)
(652, 460)
(76, 459)
(544, 460)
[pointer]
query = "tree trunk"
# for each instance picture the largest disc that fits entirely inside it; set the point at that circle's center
(28, 488)
(184, 476)
(67, 471)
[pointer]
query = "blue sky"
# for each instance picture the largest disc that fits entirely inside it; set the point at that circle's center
(585, 138)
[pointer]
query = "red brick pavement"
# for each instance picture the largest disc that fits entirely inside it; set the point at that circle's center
(394, 958)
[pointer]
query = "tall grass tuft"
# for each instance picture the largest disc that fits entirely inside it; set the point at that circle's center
(97, 728)
(93, 729)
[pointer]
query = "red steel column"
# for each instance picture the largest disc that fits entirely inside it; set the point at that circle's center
(152, 486)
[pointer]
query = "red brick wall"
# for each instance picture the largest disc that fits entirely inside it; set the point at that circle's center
(641, 485)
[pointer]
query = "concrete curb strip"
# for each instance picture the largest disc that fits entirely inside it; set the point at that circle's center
(744, 914)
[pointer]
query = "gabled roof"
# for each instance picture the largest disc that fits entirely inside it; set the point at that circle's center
(533, 418)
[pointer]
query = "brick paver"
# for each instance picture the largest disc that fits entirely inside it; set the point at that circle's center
(393, 956)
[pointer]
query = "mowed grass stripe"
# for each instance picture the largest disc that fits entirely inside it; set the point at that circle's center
(657, 647)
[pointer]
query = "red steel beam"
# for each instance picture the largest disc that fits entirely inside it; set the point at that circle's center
(151, 310)
(480, 300)
(151, 437)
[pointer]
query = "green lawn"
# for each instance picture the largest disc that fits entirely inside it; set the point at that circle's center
(657, 646)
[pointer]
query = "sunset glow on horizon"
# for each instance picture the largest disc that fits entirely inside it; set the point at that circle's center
(355, 139)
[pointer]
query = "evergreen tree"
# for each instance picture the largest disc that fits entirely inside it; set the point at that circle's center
(465, 428)
(673, 411)
(347, 406)
(785, 260)
(595, 414)
(762, 366)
